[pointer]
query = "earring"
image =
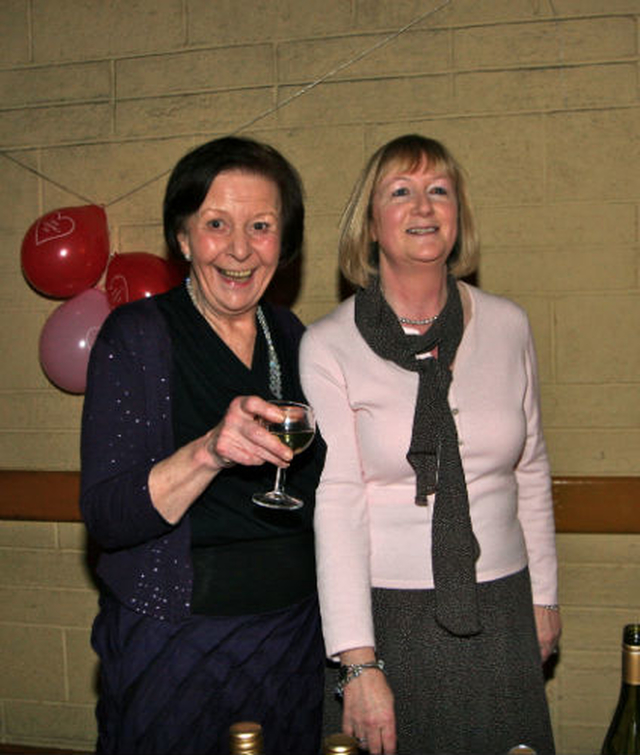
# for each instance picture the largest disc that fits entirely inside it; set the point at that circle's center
(187, 256)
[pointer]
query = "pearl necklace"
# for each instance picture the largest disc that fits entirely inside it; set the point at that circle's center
(426, 321)
(275, 372)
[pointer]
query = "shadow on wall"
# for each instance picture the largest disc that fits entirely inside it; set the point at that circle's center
(549, 667)
(285, 287)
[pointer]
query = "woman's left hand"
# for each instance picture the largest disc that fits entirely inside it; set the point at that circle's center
(549, 628)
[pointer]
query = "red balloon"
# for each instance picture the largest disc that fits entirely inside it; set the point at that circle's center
(66, 251)
(68, 336)
(135, 275)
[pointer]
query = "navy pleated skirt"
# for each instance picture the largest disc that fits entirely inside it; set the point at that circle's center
(176, 688)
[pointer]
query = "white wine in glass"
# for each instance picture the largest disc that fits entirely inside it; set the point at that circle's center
(296, 431)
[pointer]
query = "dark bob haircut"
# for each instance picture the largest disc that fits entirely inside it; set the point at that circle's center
(194, 173)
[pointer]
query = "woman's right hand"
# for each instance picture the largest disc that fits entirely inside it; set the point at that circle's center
(241, 438)
(368, 712)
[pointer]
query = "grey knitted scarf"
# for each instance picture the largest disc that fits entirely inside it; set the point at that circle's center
(434, 454)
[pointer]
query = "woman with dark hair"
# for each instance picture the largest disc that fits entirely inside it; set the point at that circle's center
(208, 609)
(434, 520)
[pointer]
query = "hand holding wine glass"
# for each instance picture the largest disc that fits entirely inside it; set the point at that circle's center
(296, 430)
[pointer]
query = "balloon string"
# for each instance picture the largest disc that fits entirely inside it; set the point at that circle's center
(52, 181)
(304, 90)
(299, 93)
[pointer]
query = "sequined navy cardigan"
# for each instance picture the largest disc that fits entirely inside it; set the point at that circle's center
(126, 428)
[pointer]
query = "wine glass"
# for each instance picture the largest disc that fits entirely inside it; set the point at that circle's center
(296, 431)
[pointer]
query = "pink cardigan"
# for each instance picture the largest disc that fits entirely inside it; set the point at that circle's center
(368, 530)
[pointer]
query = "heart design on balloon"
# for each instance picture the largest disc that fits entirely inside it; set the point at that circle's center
(54, 226)
(66, 251)
(92, 334)
(117, 290)
(138, 275)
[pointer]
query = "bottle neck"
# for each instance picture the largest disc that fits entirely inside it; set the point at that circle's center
(631, 665)
(245, 738)
(339, 744)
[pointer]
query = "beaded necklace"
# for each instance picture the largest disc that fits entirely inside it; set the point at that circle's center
(275, 372)
(426, 321)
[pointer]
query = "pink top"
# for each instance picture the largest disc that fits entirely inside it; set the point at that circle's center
(369, 532)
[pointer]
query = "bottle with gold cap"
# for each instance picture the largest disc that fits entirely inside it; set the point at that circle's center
(339, 744)
(623, 736)
(245, 738)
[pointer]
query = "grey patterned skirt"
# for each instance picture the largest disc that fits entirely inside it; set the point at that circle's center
(459, 695)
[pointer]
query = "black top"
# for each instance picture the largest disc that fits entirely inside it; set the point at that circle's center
(247, 559)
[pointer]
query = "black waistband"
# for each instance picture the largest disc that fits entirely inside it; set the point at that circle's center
(253, 576)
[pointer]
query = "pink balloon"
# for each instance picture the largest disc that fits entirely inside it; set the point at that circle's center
(136, 275)
(67, 337)
(66, 251)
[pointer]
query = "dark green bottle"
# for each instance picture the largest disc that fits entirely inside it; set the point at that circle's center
(623, 737)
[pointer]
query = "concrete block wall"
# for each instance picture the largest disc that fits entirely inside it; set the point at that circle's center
(540, 102)
(48, 599)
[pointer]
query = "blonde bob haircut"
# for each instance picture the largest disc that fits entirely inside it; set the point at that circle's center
(358, 254)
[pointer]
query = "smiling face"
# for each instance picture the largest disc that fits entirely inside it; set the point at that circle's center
(233, 240)
(414, 218)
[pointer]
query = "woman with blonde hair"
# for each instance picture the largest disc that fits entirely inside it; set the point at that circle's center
(434, 524)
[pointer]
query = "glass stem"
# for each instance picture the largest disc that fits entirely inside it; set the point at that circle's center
(279, 483)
